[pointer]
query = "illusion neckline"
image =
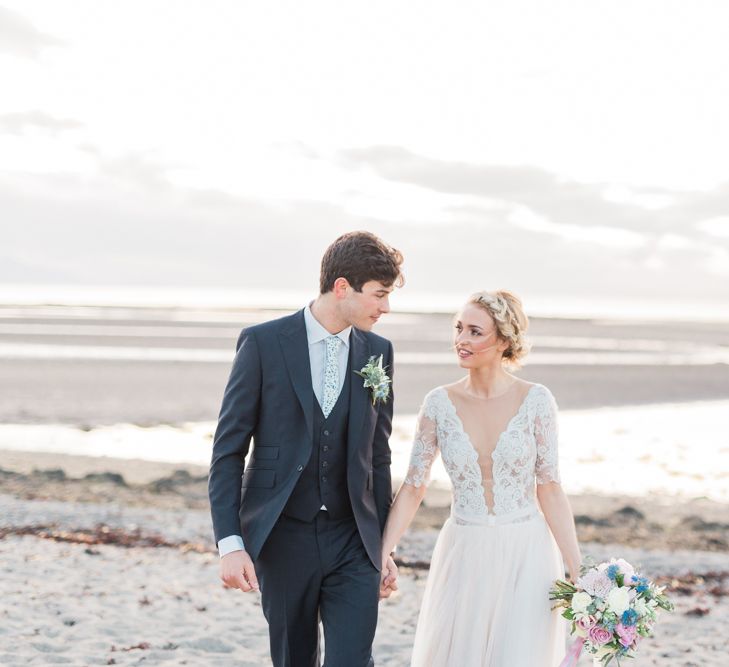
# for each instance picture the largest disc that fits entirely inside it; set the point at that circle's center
(513, 418)
(508, 391)
(490, 510)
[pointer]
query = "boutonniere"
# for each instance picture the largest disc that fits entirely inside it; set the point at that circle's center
(376, 379)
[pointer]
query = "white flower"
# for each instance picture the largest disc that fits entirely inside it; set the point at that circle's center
(625, 567)
(580, 602)
(618, 600)
(640, 606)
(596, 583)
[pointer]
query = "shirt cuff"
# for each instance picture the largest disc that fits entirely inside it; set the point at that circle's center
(230, 544)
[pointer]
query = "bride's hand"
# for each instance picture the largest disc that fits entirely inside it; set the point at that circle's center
(573, 572)
(388, 577)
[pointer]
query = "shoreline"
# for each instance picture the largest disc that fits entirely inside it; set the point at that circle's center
(246, 300)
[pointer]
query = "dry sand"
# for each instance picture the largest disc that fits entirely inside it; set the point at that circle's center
(119, 569)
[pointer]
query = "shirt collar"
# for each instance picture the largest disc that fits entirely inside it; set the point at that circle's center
(315, 332)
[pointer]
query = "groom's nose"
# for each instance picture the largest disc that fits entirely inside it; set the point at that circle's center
(385, 305)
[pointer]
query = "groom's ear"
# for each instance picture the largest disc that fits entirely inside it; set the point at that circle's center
(341, 287)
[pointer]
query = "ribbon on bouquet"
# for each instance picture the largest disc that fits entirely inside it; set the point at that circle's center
(573, 654)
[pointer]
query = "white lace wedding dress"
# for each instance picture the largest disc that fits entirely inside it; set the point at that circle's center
(486, 600)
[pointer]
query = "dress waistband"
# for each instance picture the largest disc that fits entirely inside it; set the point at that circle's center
(518, 516)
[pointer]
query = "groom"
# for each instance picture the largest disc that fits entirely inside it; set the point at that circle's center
(302, 519)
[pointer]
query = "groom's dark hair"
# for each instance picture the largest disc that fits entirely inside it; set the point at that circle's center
(360, 257)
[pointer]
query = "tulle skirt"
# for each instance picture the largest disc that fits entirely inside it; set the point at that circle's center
(486, 601)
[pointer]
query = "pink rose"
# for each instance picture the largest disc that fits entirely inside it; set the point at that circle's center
(599, 635)
(627, 633)
(586, 622)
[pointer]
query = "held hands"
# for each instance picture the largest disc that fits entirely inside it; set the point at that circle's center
(237, 571)
(388, 577)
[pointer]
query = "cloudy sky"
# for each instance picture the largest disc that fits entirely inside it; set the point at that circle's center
(563, 149)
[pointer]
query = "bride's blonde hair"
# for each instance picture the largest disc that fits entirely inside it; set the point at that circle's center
(511, 322)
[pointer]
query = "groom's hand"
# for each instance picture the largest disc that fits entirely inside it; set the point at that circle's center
(237, 571)
(388, 577)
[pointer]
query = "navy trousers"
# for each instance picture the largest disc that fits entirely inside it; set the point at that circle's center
(312, 571)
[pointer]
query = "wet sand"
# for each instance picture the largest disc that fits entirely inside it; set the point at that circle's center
(91, 392)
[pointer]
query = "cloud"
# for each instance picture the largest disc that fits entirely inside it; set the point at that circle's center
(718, 226)
(130, 223)
(19, 37)
(136, 169)
(613, 237)
(92, 230)
(398, 164)
(19, 122)
(563, 203)
(648, 241)
(531, 198)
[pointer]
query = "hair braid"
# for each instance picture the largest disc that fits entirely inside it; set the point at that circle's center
(506, 310)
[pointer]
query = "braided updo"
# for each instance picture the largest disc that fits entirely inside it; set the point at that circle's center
(511, 322)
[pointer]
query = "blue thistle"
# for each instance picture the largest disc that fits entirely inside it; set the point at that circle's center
(630, 617)
(613, 571)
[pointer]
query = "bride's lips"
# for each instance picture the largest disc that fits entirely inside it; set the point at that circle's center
(463, 353)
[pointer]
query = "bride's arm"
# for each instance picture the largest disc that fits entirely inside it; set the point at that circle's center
(412, 490)
(552, 498)
(558, 513)
(402, 512)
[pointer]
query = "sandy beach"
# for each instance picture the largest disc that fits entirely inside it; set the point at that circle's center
(109, 559)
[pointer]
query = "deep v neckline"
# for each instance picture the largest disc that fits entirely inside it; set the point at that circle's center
(462, 428)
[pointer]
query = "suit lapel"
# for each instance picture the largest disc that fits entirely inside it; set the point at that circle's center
(359, 397)
(295, 348)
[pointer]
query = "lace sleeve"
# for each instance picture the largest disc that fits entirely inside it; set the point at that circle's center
(546, 436)
(425, 446)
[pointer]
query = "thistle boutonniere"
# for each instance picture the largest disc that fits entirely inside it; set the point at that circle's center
(376, 379)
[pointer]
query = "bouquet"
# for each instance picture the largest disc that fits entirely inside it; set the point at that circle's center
(611, 607)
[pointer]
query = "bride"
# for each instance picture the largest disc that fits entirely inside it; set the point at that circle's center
(486, 600)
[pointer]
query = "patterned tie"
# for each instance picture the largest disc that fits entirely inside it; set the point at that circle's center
(331, 375)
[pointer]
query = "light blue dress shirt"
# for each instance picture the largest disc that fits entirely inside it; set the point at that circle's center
(316, 335)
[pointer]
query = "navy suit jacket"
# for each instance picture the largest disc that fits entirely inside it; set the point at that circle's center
(269, 402)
